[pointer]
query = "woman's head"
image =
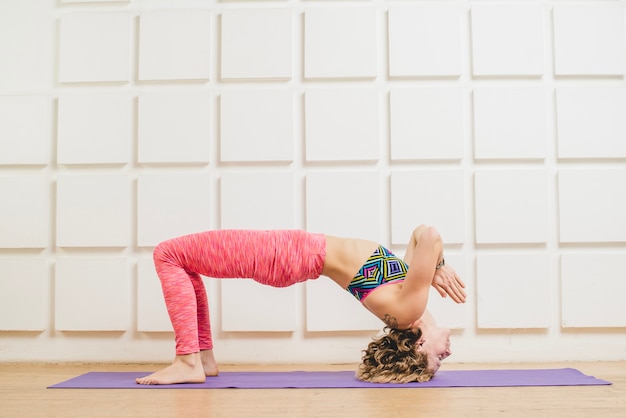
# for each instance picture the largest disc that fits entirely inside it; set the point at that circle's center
(435, 343)
(396, 357)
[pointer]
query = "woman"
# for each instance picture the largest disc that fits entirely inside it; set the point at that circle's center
(384, 284)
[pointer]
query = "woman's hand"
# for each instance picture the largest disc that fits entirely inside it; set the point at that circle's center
(448, 283)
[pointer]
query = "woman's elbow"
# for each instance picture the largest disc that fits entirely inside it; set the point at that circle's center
(430, 236)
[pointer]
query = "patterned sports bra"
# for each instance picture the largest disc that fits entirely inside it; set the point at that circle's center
(382, 268)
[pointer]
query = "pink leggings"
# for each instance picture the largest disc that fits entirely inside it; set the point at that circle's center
(274, 258)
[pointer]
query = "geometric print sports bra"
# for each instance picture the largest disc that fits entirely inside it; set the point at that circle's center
(382, 268)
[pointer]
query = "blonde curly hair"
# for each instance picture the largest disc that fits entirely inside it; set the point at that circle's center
(393, 358)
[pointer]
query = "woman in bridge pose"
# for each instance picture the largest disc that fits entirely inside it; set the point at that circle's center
(395, 290)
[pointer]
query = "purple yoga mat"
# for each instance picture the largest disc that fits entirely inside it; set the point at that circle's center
(341, 379)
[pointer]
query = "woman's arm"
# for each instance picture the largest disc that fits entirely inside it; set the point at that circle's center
(423, 256)
(413, 241)
(448, 283)
(445, 280)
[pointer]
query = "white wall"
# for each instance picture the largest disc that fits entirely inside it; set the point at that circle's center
(124, 123)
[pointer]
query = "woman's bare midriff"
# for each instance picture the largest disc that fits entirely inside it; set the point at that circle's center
(345, 257)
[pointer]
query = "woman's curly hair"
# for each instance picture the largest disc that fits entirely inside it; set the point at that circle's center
(393, 358)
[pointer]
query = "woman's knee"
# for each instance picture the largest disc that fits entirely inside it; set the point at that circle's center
(163, 251)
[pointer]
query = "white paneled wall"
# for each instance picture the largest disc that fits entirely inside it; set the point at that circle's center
(341, 42)
(24, 129)
(269, 116)
(425, 40)
(579, 29)
(164, 115)
(508, 39)
(94, 47)
(263, 50)
(591, 112)
(125, 123)
(174, 45)
(92, 294)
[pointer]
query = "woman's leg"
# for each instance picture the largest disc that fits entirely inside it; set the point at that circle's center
(205, 341)
(187, 306)
(274, 258)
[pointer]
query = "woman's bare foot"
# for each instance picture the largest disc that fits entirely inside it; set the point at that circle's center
(208, 363)
(185, 369)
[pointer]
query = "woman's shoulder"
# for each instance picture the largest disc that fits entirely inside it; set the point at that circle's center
(387, 303)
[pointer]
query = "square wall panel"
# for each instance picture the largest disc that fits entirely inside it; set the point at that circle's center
(511, 206)
(507, 39)
(256, 125)
(257, 200)
(510, 123)
(330, 308)
(332, 199)
(170, 205)
(27, 45)
(152, 313)
(25, 129)
(513, 291)
(93, 210)
(95, 129)
(593, 288)
(342, 124)
(92, 294)
(592, 204)
(95, 47)
(425, 40)
(257, 43)
(174, 127)
(446, 312)
(589, 39)
(175, 45)
(340, 42)
(24, 212)
(591, 122)
(430, 197)
(23, 294)
(426, 123)
(252, 307)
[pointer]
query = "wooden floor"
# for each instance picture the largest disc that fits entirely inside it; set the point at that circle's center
(23, 393)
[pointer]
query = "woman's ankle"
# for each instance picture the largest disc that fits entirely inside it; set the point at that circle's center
(190, 360)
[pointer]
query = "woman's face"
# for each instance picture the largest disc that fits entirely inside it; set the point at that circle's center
(435, 342)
